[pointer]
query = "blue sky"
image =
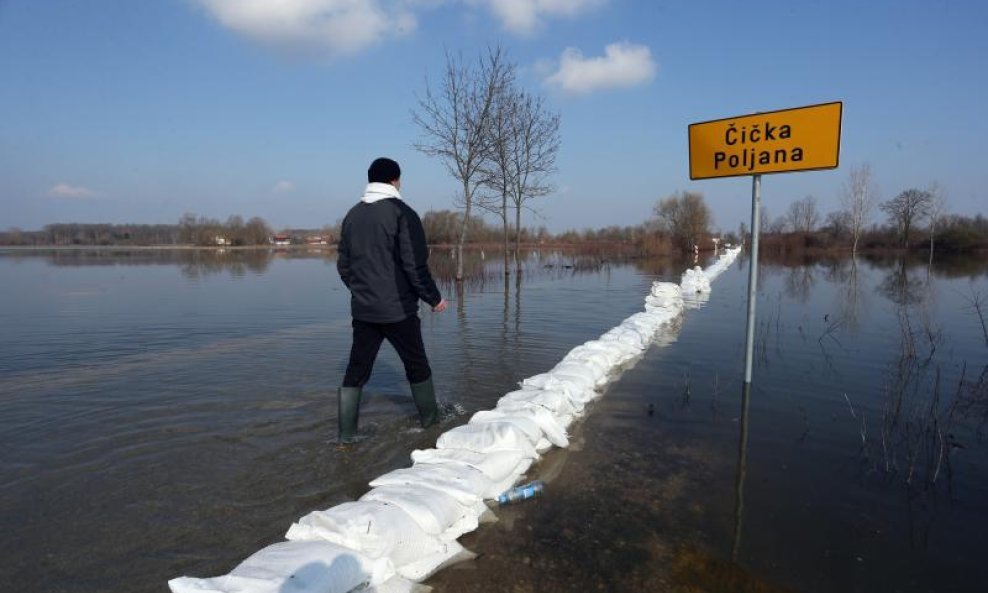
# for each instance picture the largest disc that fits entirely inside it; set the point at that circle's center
(139, 111)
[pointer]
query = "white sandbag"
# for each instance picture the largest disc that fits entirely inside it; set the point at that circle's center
(538, 412)
(575, 388)
(527, 425)
(583, 374)
(578, 395)
(597, 365)
(542, 418)
(647, 322)
(617, 351)
(294, 567)
(667, 291)
(378, 530)
(694, 281)
(464, 483)
(536, 381)
(625, 336)
(496, 465)
(437, 513)
(603, 357)
(722, 263)
(487, 437)
(556, 401)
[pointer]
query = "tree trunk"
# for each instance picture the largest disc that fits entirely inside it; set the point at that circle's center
(463, 233)
(504, 221)
(517, 235)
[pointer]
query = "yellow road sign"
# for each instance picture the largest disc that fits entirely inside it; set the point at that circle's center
(800, 139)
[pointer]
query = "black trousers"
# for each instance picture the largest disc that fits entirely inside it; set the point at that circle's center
(406, 338)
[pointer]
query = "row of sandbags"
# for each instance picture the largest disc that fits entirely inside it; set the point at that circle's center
(406, 527)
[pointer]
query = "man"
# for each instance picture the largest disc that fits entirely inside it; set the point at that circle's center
(383, 260)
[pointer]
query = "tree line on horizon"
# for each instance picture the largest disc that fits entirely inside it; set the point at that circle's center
(679, 221)
(915, 219)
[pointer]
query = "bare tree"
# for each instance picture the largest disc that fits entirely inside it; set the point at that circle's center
(524, 144)
(685, 216)
(456, 119)
(858, 199)
(803, 215)
(838, 224)
(498, 173)
(936, 211)
(907, 208)
(535, 144)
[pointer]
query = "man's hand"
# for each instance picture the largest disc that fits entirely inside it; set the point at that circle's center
(440, 307)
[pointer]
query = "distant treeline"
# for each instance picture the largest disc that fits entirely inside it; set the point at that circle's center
(190, 230)
(679, 222)
(953, 234)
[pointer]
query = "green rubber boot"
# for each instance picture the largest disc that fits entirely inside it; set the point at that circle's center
(349, 410)
(424, 395)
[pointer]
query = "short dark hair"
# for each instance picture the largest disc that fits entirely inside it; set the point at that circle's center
(383, 170)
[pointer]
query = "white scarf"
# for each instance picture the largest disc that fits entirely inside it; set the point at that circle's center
(379, 191)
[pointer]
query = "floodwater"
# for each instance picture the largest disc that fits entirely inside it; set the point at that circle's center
(168, 413)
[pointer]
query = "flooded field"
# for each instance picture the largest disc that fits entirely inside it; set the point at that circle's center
(169, 413)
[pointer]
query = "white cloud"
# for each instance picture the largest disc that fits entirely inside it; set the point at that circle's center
(64, 190)
(525, 16)
(622, 65)
(330, 27)
(283, 186)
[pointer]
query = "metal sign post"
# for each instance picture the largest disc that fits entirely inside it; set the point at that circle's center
(756, 204)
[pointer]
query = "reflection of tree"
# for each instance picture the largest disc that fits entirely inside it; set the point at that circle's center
(194, 263)
(799, 282)
(198, 263)
(902, 288)
(850, 297)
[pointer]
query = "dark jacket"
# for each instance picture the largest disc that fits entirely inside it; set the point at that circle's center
(384, 260)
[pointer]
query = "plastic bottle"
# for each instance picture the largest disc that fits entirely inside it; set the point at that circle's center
(523, 492)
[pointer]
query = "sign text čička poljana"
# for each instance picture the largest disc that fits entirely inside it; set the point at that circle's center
(800, 139)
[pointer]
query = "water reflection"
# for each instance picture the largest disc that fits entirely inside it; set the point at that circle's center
(850, 298)
(902, 286)
(799, 282)
(194, 263)
(742, 471)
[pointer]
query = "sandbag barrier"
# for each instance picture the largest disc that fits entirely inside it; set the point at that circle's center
(406, 527)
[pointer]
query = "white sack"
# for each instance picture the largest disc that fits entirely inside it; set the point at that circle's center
(581, 374)
(541, 417)
(496, 465)
(527, 425)
(555, 402)
(624, 336)
(603, 357)
(437, 513)
(464, 483)
(574, 388)
(616, 351)
(379, 530)
(695, 281)
(294, 567)
(487, 437)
